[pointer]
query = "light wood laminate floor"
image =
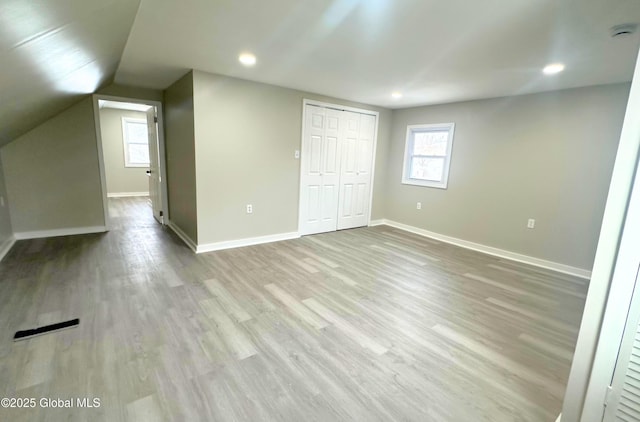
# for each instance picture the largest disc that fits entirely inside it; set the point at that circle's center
(370, 324)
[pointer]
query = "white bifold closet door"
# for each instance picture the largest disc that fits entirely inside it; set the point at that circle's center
(320, 175)
(337, 159)
(624, 396)
(355, 174)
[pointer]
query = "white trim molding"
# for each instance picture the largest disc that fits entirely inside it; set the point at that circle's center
(249, 241)
(489, 250)
(71, 231)
(230, 244)
(6, 246)
(182, 235)
(126, 194)
(309, 101)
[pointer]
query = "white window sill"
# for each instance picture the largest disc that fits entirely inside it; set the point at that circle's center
(425, 183)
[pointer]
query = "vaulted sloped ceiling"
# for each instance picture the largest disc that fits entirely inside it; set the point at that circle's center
(54, 51)
(433, 51)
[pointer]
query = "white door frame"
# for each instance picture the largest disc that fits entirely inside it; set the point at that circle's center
(592, 366)
(614, 324)
(306, 102)
(162, 153)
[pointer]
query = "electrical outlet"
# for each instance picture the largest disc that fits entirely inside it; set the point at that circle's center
(249, 209)
(531, 223)
(297, 154)
(419, 206)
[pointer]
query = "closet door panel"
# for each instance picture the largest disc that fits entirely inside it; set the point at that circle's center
(320, 170)
(355, 178)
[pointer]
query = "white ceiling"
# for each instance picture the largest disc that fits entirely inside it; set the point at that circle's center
(433, 51)
(54, 51)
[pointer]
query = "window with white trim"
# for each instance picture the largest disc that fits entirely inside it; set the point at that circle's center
(136, 142)
(427, 155)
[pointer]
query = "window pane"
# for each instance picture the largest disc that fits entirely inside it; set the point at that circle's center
(430, 143)
(137, 133)
(424, 168)
(138, 154)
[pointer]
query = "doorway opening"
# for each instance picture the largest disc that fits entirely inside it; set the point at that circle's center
(131, 152)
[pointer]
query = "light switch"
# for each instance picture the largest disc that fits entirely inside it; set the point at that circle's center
(297, 154)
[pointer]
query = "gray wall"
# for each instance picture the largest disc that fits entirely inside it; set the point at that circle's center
(120, 179)
(52, 175)
(180, 153)
(545, 156)
(246, 134)
(6, 231)
(131, 92)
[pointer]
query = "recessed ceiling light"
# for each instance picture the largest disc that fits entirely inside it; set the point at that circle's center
(553, 68)
(396, 94)
(247, 59)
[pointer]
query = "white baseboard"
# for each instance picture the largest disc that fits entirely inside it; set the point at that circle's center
(126, 194)
(490, 250)
(559, 418)
(6, 246)
(182, 235)
(380, 222)
(59, 232)
(229, 244)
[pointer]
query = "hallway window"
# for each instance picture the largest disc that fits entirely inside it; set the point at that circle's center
(136, 142)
